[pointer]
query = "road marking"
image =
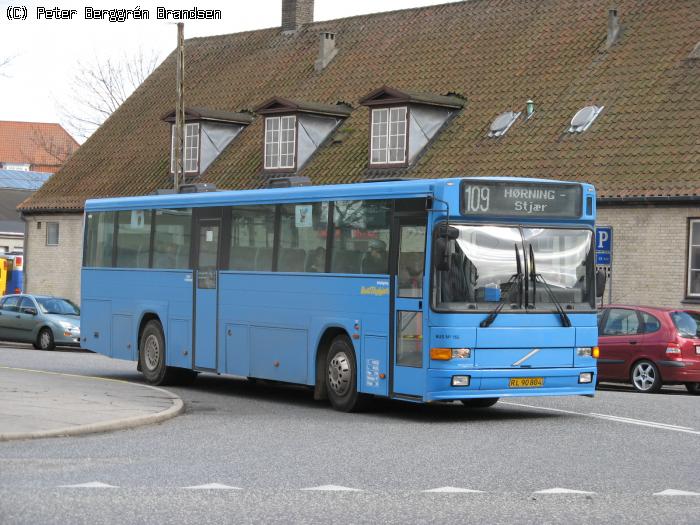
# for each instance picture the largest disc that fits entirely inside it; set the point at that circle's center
(212, 486)
(618, 419)
(90, 485)
(454, 490)
(674, 492)
(558, 490)
(333, 488)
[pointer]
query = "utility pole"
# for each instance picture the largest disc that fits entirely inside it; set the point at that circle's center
(179, 174)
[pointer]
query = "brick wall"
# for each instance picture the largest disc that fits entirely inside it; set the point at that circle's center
(54, 270)
(649, 253)
(296, 13)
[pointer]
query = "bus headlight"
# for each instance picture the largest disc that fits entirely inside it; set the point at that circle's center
(588, 351)
(460, 380)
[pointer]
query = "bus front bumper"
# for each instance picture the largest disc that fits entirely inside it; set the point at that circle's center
(497, 383)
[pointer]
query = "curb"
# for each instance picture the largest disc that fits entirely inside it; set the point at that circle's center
(105, 426)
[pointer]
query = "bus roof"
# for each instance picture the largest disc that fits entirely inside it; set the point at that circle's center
(366, 190)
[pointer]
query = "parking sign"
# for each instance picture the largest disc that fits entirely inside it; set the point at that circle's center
(603, 245)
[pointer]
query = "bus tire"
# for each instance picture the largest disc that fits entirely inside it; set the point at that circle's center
(479, 402)
(341, 376)
(152, 355)
(44, 341)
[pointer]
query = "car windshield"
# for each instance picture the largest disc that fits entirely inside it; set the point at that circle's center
(54, 305)
(687, 323)
(483, 266)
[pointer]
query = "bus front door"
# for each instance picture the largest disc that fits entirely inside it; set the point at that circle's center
(407, 265)
(208, 239)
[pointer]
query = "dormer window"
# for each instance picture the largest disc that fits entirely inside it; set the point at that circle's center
(404, 122)
(295, 130)
(389, 135)
(191, 149)
(280, 142)
(206, 134)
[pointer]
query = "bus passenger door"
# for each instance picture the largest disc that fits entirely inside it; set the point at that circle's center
(407, 277)
(208, 239)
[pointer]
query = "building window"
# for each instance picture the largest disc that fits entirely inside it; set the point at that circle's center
(280, 142)
(191, 149)
(16, 167)
(389, 135)
(52, 234)
(694, 258)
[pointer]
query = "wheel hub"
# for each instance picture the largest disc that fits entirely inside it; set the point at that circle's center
(151, 352)
(339, 373)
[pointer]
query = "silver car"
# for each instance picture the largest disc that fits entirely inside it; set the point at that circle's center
(43, 321)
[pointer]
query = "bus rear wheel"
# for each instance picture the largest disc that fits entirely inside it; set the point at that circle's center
(341, 376)
(152, 356)
(479, 402)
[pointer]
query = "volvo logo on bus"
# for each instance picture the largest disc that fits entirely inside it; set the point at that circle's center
(519, 362)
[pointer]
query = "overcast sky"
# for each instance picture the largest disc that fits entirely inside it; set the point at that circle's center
(45, 53)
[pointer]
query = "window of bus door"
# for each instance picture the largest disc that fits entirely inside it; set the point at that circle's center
(207, 264)
(411, 261)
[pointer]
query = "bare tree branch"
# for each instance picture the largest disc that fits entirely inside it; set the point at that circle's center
(4, 62)
(101, 86)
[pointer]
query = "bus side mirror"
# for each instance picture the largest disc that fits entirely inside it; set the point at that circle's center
(600, 279)
(441, 256)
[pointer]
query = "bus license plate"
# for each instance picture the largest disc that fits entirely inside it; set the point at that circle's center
(526, 382)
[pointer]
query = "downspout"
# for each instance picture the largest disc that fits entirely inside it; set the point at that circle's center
(25, 251)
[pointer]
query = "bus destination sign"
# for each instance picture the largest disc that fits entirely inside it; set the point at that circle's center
(521, 199)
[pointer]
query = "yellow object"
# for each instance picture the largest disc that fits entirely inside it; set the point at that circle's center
(3, 276)
(596, 352)
(440, 354)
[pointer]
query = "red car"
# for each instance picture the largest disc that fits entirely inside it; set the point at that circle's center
(649, 347)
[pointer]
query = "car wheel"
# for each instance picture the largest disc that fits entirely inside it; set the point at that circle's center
(693, 388)
(152, 356)
(646, 377)
(44, 340)
(481, 402)
(341, 376)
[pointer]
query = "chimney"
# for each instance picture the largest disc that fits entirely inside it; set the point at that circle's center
(614, 29)
(296, 13)
(327, 51)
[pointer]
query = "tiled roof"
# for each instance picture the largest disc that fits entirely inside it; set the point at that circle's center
(495, 53)
(36, 143)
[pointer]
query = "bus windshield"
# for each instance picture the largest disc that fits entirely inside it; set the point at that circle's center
(485, 262)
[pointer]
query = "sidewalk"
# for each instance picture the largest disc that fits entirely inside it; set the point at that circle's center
(35, 404)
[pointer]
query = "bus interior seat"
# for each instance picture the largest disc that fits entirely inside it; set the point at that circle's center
(243, 258)
(291, 260)
(346, 262)
(263, 260)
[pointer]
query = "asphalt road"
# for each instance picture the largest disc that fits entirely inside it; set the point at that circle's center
(278, 456)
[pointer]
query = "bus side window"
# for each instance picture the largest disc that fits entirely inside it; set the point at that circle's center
(361, 242)
(133, 238)
(252, 238)
(171, 239)
(303, 234)
(99, 239)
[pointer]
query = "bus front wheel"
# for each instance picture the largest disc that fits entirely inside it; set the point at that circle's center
(152, 355)
(341, 376)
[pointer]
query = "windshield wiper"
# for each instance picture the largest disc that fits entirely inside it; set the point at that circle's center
(565, 321)
(514, 280)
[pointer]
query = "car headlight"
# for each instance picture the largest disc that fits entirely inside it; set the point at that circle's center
(69, 326)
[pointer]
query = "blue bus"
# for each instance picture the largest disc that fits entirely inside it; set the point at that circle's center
(467, 289)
